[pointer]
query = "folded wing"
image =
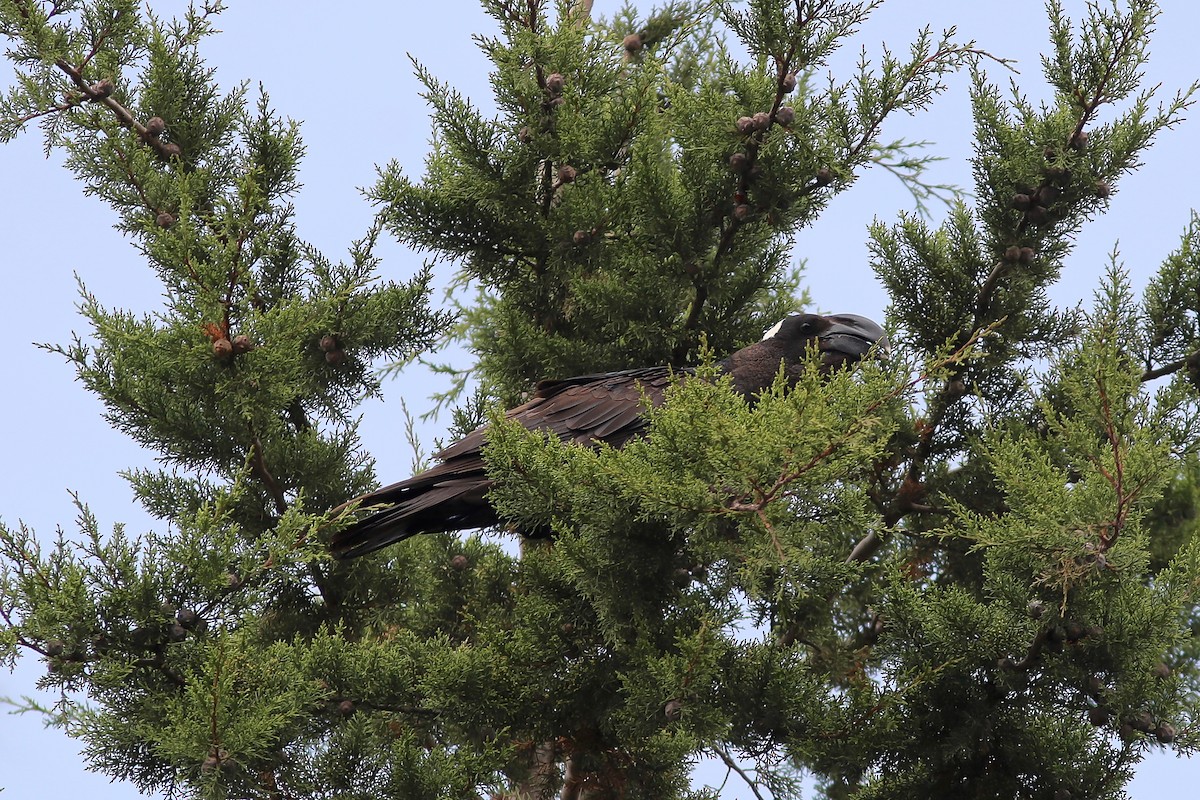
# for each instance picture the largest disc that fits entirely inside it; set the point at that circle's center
(586, 410)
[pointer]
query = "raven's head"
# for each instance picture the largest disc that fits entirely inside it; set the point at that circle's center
(840, 338)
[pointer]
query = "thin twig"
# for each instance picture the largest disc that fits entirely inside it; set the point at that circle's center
(723, 754)
(258, 463)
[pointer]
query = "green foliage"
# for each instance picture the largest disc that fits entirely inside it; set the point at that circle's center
(971, 570)
(619, 205)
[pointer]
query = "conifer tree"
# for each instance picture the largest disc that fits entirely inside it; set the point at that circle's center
(970, 570)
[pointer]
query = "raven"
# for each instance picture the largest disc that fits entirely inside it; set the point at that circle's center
(587, 410)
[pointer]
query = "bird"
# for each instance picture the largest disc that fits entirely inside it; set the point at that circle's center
(589, 410)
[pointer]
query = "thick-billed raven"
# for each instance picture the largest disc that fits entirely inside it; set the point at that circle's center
(587, 410)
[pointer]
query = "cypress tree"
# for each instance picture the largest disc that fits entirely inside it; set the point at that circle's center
(967, 571)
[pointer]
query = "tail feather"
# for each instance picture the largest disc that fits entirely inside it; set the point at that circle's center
(425, 503)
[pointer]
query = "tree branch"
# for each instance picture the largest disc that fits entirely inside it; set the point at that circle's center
(258, 463)
(100, 93)
(729, 761)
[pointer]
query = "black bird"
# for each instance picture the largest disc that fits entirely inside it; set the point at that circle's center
(587, 410)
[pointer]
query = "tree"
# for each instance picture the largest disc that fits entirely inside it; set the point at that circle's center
(968, 572)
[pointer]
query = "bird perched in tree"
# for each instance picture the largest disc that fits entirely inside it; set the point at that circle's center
(588, 410)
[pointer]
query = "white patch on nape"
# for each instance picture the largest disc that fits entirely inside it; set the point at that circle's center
(774, 329)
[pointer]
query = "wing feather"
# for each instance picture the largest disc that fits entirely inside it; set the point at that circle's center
(586, 410)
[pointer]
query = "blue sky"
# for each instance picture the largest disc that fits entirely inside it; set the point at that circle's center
(345, 75)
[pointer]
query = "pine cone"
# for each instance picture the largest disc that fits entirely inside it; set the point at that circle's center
(101, 89)
(1037, 215)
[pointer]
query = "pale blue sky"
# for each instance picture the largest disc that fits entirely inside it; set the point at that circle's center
(345, 75)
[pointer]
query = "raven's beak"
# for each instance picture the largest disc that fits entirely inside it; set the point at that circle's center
(851, 337)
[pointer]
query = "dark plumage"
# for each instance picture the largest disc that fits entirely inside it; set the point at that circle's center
(585, 410)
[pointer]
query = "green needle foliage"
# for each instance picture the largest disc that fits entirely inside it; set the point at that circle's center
(969, 571)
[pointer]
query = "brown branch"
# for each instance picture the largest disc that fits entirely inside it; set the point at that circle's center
(99, 40)
(1117, 479)
(7, 615)
(100, 93)
(1097, 99)
(258, 463)
(1125, 495)
(1031, 656)
(235, 268)
(158, 664)
(946, 398)
(133, 180)
(987, 289)
(214, 735)
(951, 391)
(752, 784)
(67, 106)
(692, 320)
(754, 142)
(730, 225)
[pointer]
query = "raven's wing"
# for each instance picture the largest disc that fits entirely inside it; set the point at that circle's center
(587, 410)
